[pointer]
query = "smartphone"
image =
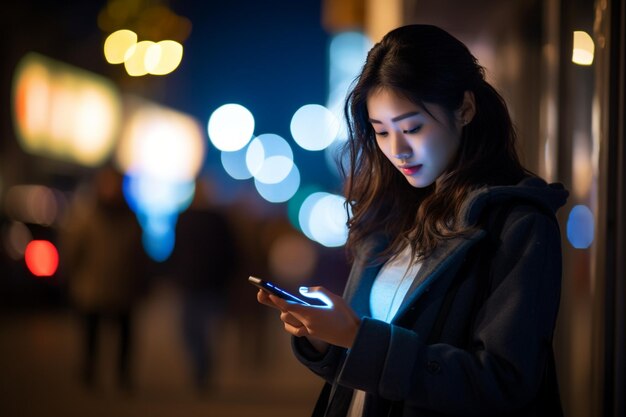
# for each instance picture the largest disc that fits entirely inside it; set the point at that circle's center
(279, 292)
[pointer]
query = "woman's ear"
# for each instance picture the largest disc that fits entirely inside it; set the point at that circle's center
(467, 111)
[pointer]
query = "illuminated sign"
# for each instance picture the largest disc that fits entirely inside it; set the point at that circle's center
(64, 112)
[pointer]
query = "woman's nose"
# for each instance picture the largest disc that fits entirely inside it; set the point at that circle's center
(400, 148)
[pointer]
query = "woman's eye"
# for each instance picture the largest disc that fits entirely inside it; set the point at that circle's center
(414, 130)
(381, 134)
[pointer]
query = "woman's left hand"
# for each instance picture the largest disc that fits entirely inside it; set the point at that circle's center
(335, 323)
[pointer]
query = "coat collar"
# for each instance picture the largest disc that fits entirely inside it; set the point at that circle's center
(445, 255)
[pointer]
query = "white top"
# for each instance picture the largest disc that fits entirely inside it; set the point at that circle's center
(389, 289)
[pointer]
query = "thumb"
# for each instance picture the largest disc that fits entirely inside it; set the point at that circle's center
(318, 293)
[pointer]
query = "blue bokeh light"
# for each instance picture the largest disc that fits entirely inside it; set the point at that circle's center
(282, 191)
(234, 163)
(269, 158)
(347, 53)
(157, 204)
(580, 227)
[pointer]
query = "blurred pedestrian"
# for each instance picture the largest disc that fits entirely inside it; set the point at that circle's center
(203, 263)
(104, 260)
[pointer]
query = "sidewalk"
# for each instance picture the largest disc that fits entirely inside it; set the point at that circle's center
(40, 353)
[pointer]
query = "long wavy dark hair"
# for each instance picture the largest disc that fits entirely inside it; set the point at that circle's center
(425, 64)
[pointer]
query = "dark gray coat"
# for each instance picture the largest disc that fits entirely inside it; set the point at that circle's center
(490, 353)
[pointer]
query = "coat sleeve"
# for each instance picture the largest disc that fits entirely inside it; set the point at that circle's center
(323, 364)
(511, 339)
(327, 364)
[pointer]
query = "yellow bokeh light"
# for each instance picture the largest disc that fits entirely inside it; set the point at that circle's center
(117, 44)
(136, 63)
(583, 51)
(164, 57)
(153, 57)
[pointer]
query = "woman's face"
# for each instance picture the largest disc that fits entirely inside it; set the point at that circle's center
(420, 145)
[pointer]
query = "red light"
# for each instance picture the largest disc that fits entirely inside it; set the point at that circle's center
(42, 258)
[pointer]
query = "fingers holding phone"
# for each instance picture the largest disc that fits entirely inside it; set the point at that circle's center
(271, 295)
(263, 297)
(316, 314)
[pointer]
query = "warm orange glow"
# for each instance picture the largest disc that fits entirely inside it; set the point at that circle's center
(35, 204)
(64, 112)
(42, 258)
(583, 51)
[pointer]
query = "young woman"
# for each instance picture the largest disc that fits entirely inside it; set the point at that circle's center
(450, 307)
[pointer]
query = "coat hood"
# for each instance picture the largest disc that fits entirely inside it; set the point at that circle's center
(535, 191)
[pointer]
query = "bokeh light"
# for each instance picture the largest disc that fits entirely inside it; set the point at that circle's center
(15, 237)
(314, 127)
(135, 64)
(230, 127)
(163, 57)
(306, 208)
(269, 158)
(583, 48)
(42, 258)
(346, 54)
(160, 142)
(580, 227)
(323, 219)
(157, 203)
(161, 153)
(328, 221)
(64, 112)
(292, 258)
(159, 237)
(234, 163)
(34, 204)
(118, 44)
(282, 191)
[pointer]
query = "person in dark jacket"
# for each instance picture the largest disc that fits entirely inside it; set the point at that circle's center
(451, 303)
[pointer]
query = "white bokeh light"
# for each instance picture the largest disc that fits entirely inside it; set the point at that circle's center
(304, 214)
(230, 127)
(328, 221)
(323, 218)
(160, 142)
(314, 127)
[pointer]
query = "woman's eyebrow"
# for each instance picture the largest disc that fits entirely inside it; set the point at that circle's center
(398, 118)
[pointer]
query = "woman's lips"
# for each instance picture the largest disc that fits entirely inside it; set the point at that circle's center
(411, 170)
